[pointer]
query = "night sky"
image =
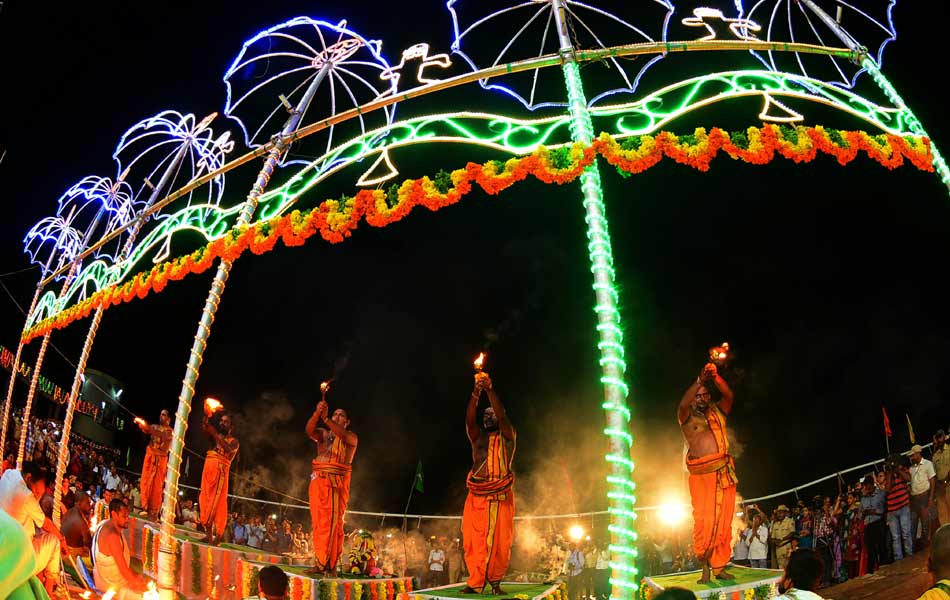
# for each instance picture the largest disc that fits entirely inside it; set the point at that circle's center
(827, 280)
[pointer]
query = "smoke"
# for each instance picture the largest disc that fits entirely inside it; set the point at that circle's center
(271, 461)
(343, 362)
(506, 327)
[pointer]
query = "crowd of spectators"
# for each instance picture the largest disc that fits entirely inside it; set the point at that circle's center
(886, 515)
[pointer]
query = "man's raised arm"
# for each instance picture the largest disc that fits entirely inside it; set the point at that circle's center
(504, 425)
(312, 432)
(682, 413)
(471, 423)
(215, 435)
(725, 404)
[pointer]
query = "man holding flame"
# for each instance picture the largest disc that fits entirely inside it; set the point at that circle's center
(213, 497)
(329, 490)
(488, 518)
(156, 460)
(712, 474)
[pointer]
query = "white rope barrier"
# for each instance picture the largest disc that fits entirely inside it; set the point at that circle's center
(384, 515)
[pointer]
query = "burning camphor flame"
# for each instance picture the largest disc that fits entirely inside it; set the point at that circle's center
(479, 361)
(325, 386)
(719, 354)
(93, 522)
(140, 421)
(151, 593)
(109, 594)
(212, 405)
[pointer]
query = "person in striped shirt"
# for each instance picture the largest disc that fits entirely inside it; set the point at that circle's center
(898, 507)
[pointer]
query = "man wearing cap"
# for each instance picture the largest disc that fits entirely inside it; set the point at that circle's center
(783, 532)
(922, 475)
(941, 460)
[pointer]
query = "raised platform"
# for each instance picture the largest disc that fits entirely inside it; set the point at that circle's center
(749, 584)
(519, 591)
(229, 571)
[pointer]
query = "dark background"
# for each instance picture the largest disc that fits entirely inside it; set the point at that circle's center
(828, 281)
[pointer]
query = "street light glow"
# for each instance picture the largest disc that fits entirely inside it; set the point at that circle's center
(576, 532)
(672, 513)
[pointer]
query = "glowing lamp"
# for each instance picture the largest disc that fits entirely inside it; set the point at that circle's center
(576, 532)
(212, 405)
(479, 362)
(109, 594)
(720, 354)
(672, 513)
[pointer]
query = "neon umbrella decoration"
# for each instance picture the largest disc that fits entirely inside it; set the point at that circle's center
(274, 68)
(93, 204)
(51, 243)
(503, 32)
(329, 54)
(868, 26)
(170, 149)
(167, 151)
(98, 200)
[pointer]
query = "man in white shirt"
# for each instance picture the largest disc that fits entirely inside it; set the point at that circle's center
(436, 565)
(111, 479)
(740, 551)
(20, 492)
(922, 504)
(574, 567)
(759, 543)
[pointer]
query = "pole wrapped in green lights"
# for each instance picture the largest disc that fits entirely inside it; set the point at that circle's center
(623, 552)
(913, 123)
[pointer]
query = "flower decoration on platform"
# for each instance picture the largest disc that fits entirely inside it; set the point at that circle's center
(489, 33)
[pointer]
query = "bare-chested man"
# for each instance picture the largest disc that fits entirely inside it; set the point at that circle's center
(712, 474)
(213, 497)
(156, 460)
(329, 490)
(488, 517)
(76, 526)
(111, 556)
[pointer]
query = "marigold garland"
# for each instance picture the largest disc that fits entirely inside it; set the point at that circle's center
(357, 591)
(335, 220)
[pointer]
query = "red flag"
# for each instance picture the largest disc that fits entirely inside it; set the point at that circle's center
(887, 423)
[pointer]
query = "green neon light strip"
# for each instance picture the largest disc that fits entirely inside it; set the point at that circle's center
(505, 134)
(913, 123)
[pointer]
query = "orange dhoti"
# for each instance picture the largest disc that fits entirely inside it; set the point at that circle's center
(712, 488)
(213, 498)
(153, 478)
(488, 530)
(329, 494)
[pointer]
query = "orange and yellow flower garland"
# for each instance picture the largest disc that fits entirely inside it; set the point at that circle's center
(335, 220)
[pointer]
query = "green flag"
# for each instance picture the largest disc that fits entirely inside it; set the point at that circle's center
(420, 479)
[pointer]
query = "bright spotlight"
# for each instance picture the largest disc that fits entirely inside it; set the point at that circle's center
(576, 532)
(672, 513)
